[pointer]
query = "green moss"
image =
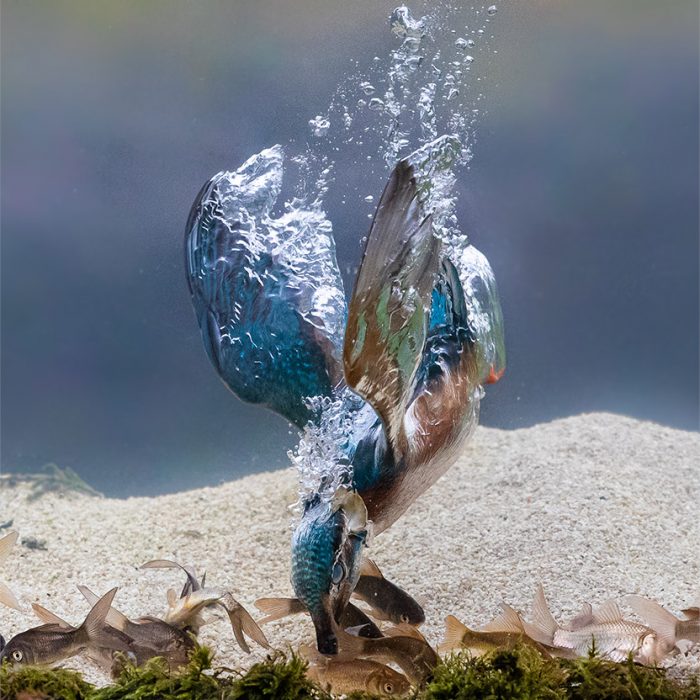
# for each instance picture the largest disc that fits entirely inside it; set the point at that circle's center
(595, 679)
(276, 677)
(52, 683)
(521, 674)
(153, 680)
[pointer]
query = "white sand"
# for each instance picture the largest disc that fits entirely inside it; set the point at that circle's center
(595, 506)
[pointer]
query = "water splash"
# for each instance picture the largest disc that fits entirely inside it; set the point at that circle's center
(322, 457)
(420, 102)
(299, 239)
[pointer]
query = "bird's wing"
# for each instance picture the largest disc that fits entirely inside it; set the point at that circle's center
(389, 310)
(266, 290)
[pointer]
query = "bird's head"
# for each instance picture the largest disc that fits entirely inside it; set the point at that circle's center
(326, 557)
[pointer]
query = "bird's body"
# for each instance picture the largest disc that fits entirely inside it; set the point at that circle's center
(386, 388)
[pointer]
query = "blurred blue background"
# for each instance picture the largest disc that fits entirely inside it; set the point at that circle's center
(583, 192)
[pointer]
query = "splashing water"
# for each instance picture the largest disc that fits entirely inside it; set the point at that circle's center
(322, 457)
(421, 103)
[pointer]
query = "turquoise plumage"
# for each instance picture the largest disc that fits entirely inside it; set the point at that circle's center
(399, 370)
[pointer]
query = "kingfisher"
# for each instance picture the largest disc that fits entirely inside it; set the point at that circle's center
(400, 366)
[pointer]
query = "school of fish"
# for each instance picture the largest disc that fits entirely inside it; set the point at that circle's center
(383, 661)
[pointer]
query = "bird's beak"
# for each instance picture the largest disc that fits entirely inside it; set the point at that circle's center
(326, 638)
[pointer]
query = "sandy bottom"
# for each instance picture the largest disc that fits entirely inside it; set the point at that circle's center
(595, 506)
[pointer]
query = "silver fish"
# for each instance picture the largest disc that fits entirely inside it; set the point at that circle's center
(387, 600)
(51, 643)
(668, 627)
(415, 657)
(7, 597)
(185, 612)
(151, 635)
(506, 631)
(614, 638)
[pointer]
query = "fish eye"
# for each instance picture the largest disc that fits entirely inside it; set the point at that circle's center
(388, 688)
(338, 573)
(17, 655)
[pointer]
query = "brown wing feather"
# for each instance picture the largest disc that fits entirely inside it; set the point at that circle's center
(390, 307)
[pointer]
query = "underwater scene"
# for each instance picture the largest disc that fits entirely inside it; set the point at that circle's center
(349, 349)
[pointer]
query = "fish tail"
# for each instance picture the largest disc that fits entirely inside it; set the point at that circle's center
(277, 608)
(658, 618)
(688, 629)
(454, 633)
(543, 626)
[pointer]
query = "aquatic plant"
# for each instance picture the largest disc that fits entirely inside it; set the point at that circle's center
(31, 682)
(52, 480)
(521, 674)
(276, 677)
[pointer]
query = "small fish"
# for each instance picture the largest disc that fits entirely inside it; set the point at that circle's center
(343, 677)
(51, 643)
(185, 615)
(151, 636)
(668, 627)
(614, 638)
(7, 597)
(352, 618)
(387, 600)
(504, 632)
(185, 612)
(415, 657)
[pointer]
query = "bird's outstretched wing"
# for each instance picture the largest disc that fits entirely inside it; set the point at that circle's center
(266, 290)
(390, 307)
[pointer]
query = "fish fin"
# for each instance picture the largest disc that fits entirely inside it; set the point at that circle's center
(247, 624)
(6, 544)
(114, 617)
(369, 568)
(543, 619)
(454, 633)
(508, 621)
(98, 632)
(237, 628)
(277, 608)
(7, 597)
(161, 564)
(658, 618)
(583, 619)
(609, 611)
(403, 629)
(354, 508)
(49, 618)
(389, 309)
(171, 596)
(691, 613)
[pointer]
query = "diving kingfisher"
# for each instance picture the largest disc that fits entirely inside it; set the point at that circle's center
(405, 360)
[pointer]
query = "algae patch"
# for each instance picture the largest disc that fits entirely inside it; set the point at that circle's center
(518, 675)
